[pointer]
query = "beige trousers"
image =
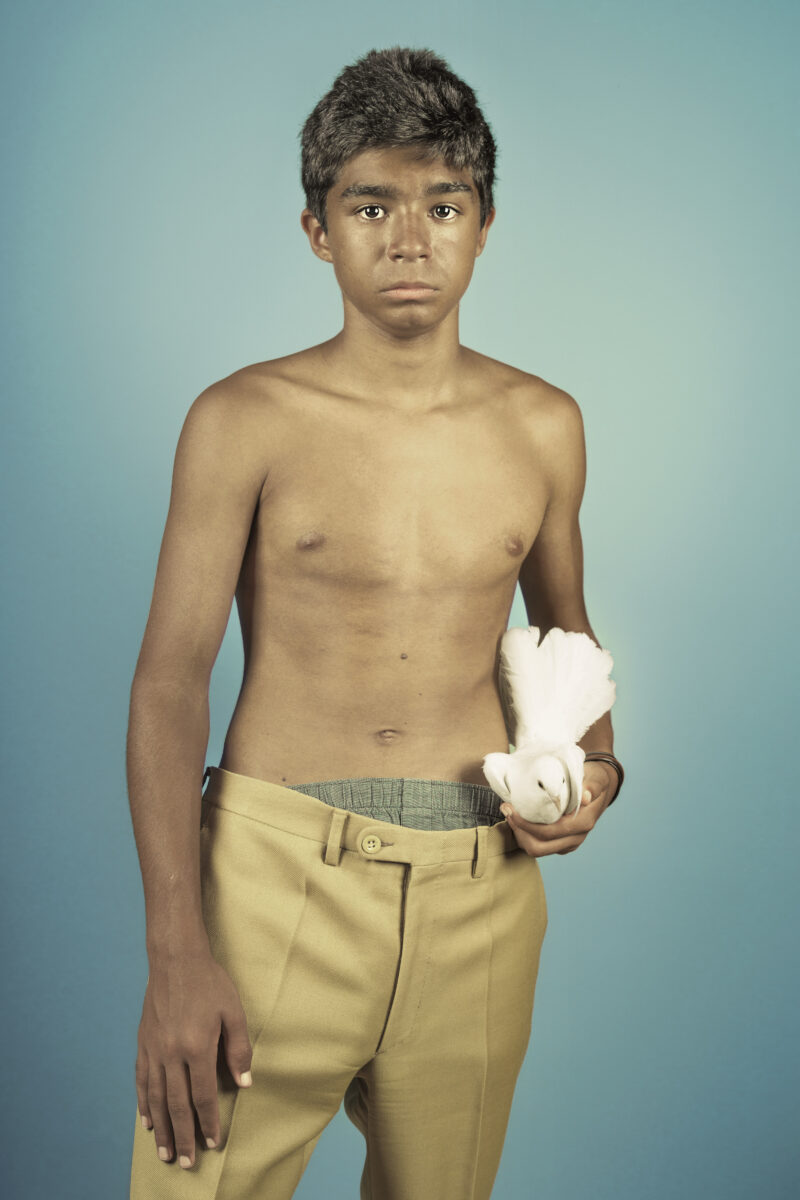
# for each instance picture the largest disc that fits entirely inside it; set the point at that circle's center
(386, 967)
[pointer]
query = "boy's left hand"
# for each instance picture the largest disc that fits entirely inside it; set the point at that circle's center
(538, 838)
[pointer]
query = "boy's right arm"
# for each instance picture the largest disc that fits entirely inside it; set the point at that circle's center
(190, 1000)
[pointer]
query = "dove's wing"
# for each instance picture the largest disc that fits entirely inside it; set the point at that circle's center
(495, 768)
(573, 757)
(507, 705)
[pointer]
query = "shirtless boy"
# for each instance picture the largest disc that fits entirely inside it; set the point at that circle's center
(345, 914)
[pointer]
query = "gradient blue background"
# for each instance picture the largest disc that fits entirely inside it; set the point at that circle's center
(644, 259)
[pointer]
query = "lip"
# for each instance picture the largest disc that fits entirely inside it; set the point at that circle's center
(410, 290)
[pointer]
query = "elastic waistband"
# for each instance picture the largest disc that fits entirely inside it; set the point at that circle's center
(429, 804)
(342, 830)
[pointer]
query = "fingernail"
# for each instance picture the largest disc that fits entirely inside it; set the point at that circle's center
(163, 1153)
(146, 1122)
(212, 1145)
(185, 1161)
(246, 1078)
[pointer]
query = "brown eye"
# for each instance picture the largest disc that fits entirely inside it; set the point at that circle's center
(371, 210)
(449, 211)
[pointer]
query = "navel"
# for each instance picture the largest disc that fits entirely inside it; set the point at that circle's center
(384, 736)
(514, 543)
(307, 541)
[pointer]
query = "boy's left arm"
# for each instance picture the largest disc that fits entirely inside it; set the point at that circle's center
(551, 582)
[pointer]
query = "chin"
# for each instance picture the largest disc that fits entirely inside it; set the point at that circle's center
(413, 323)
(416, 314)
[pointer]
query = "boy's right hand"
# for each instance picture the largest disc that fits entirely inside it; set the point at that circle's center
(187, 1004)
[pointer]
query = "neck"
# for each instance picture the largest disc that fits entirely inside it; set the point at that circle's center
(405, 369)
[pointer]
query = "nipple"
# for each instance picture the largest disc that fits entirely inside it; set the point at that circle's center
(514, 543)
(307, 541)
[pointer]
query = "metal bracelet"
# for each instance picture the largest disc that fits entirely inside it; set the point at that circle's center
(602, 756)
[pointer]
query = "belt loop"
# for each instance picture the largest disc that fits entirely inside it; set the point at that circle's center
(479, 861)
(333, 846)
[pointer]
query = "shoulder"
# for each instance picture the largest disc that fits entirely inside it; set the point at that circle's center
(546, 411)
(241, 409)
(549, 421)
(549, 409)
(233, 429)
(267, 387)
(553, 421)
(243, 393)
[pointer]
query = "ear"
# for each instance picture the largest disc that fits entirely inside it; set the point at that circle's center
(484, 231)
(317, 236)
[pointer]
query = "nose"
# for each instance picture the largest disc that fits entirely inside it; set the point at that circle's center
(409, 238)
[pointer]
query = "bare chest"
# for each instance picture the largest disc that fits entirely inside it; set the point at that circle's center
(435, 506)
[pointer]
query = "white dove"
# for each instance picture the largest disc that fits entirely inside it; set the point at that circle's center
(551, 694)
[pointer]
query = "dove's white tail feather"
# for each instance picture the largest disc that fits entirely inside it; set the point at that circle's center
(554, 690)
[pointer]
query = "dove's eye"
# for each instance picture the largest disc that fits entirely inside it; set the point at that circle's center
(541, 785)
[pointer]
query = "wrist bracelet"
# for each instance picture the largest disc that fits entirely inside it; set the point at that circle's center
(602, 756)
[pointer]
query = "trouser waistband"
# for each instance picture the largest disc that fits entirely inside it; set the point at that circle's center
(340, 831)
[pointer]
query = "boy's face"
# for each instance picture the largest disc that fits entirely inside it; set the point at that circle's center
(395, 219)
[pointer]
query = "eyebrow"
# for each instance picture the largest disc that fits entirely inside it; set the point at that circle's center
(444, 188)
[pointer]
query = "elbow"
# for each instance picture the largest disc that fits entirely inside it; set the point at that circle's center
(153, 682)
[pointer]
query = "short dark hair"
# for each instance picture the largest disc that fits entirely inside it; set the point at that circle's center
(393, 98)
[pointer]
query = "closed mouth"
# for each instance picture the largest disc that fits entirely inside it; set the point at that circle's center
(409, 289)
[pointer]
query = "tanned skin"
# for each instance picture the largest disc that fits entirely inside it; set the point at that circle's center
(371, 503)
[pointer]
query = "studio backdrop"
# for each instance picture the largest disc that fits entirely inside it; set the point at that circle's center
(644, 259)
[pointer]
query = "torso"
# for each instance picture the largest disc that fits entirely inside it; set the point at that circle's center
(379, 575)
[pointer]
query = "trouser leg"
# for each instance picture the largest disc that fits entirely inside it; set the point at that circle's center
(281, 922)
(433, 1104)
